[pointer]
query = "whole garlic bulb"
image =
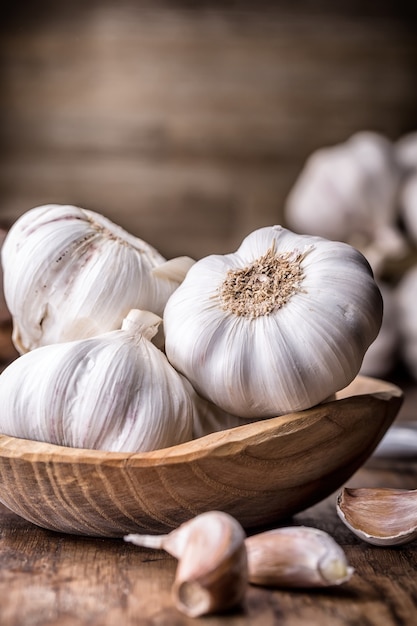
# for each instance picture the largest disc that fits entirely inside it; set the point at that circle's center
(278, 326)
(70, 273)
(348, 192)
(113, 392)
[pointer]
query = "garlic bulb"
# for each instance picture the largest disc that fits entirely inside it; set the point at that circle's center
(70, 273)
(115, 392)
(278, 326)
(348, 192)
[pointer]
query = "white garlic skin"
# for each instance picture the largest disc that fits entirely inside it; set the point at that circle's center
(349, 192)
(114, 392)
(290, 359)
(70, 273)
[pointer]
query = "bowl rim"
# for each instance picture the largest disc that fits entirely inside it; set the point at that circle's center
(217, 443)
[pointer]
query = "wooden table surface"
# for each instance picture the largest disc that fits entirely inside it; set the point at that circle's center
(52, 579)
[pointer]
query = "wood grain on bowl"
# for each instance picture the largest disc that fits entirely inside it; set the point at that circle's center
(260, 473)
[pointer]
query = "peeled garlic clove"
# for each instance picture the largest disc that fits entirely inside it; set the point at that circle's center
(382, 517)
(114, 391)
(212, 565)
(278, 326)
(296, 556)
(70, 273)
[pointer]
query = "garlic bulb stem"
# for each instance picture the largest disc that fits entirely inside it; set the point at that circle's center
(296, 556)
(212, 565)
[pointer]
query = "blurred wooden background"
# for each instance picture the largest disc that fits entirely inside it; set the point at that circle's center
(188, 122)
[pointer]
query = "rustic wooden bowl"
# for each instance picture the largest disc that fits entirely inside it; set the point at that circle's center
(261, 473)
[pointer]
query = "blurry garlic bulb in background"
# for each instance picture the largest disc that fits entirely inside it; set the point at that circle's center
(70, 273)
(406, 294)
(406, 153)
(113, 392)
(348, 192)
(408, 206)
(277, 326)
(382, 354)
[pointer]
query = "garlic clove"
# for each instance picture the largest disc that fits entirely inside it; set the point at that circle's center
(382, 517)
(406, 298)
(212, 564)
(297, 556)
(174, 269)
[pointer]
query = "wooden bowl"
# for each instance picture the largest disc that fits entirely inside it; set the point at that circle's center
(261, 473)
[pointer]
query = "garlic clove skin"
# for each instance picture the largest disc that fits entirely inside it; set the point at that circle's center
(70, 273)
(212, 564)
(114, 391)
(382, 517)
(296, 556)
(263, 362)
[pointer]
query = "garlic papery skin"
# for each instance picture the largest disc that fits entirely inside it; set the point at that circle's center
(296, 556)
(276, 327)
(70, 273)
(348, 192)
(382, 517)
(212, 570)
(114, 392)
